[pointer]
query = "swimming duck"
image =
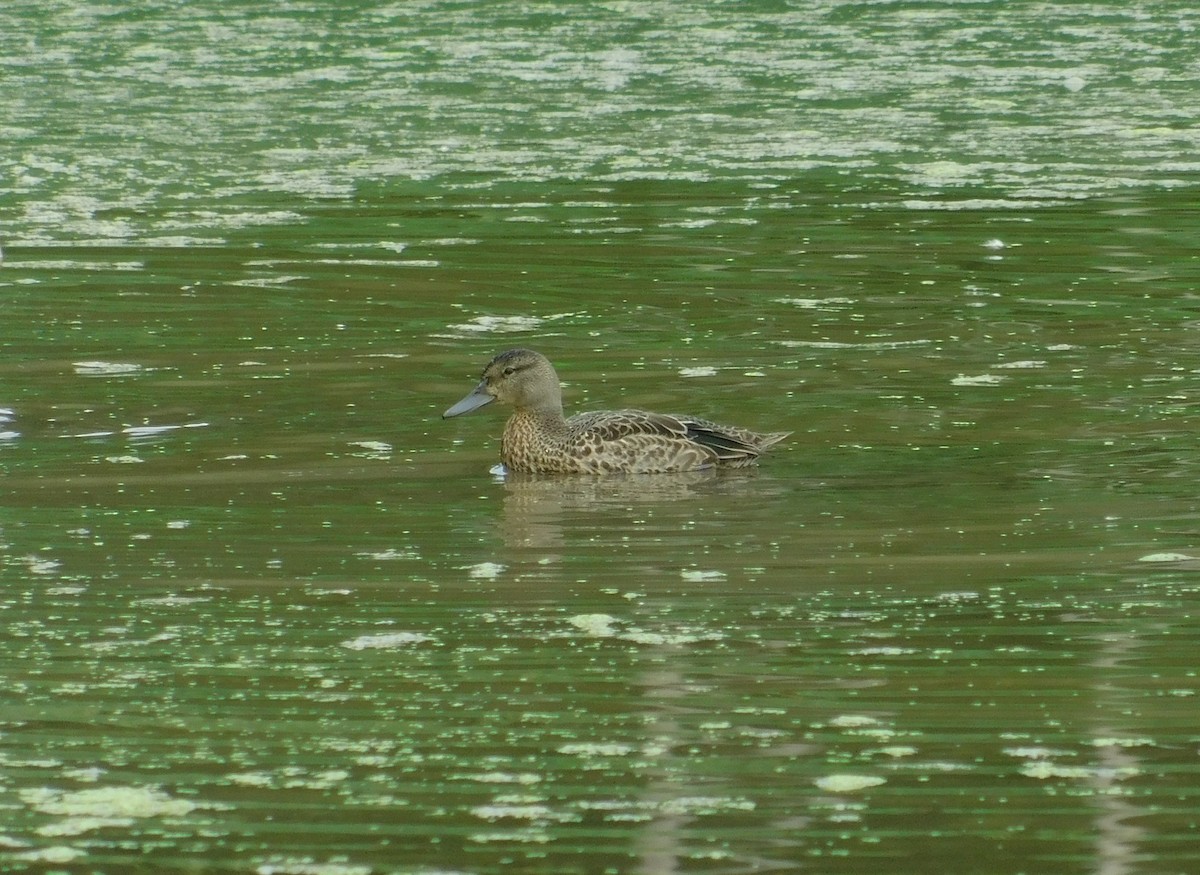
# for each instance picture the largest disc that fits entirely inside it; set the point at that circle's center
(538, 439)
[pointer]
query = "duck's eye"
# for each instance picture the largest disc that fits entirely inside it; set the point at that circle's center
(509, 371)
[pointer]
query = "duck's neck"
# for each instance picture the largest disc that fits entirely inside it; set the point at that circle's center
(546, 417)
(548, 408)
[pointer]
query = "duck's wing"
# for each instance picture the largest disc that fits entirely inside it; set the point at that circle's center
(698, 441)
(731, 444)
(611, 425)
(740, 441)
(636, 441)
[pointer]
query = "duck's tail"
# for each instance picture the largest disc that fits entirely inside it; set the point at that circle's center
(766, 441)
(732, 445)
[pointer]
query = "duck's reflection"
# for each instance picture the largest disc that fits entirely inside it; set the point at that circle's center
(540, 511)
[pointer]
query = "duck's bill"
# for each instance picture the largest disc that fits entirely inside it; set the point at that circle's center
(478, 398)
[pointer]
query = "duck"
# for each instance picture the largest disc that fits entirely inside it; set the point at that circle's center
(538, 439)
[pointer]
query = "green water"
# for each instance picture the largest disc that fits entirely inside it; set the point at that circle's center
(263, 611)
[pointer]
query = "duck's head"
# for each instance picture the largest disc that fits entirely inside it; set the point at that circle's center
(520, 377)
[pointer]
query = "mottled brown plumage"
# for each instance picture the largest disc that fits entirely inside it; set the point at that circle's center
(537, 439)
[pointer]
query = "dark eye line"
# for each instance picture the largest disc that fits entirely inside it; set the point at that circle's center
(509, 370)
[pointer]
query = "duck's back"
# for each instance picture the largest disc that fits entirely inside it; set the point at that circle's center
(631, 441)
(635, 441)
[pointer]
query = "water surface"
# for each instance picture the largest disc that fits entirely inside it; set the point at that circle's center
(264, 611)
